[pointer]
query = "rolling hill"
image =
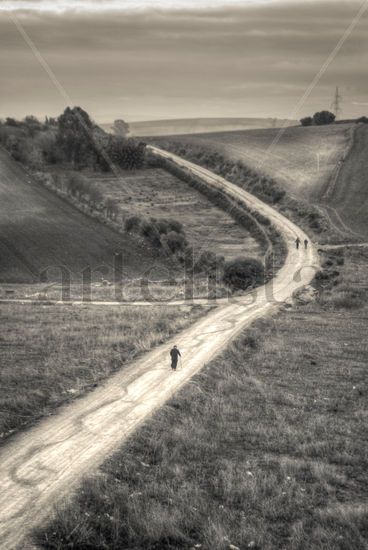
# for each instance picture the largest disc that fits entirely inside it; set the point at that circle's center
(302, 159)
(198, 125)
(39, 231)
(325, 165)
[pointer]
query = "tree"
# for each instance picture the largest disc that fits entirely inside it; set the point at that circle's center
(306, 121)
(323, 117)
(126, 153)
(120, 128)
(32, 124)
(9, 121)
(75, 136)
(242, 273)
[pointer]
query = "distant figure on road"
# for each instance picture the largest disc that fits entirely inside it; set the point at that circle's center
(306, 244)
(174, 353)
(297, 242)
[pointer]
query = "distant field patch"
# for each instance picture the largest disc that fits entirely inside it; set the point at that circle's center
(303, 159)
(39, 231)
(156, 193)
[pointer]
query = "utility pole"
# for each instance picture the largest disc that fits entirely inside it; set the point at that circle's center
(336, 104)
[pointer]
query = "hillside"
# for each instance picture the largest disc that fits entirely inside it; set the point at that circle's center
(302, 160)
(38, 230)
(348, 194)
(324, 166)
(198, 125)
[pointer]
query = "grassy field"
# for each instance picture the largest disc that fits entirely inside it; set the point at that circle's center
(40, 231)
(264, 449)
(302, 160)
(163, 290)
(156, 193)
(50, 354)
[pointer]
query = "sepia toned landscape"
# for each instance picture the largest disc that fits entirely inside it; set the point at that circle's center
(183, 275)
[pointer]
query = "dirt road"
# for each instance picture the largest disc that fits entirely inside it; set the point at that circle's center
(44, 463)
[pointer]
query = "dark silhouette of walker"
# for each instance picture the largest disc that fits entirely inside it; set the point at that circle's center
(174, 354)
(306, 244)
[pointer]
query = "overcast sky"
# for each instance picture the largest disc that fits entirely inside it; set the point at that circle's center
(151, 59)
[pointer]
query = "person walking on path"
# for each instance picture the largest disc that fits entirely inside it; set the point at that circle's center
(305, 244)
(297, 243)
(174, 354)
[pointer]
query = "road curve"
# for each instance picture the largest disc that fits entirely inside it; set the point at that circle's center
(40, 465)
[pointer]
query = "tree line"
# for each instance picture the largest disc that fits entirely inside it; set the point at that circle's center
(326, 117)
(72, 139)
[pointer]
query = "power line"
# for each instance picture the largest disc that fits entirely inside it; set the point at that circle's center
(336, 104)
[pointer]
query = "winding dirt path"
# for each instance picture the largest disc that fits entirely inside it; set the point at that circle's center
(42, 464)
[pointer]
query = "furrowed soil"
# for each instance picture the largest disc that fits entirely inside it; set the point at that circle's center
(39, 231)
(265, 448)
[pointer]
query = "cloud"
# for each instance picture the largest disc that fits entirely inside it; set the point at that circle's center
(255, 59)
(90, 6)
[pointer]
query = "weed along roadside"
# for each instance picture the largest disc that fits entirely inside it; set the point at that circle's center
(100, 421)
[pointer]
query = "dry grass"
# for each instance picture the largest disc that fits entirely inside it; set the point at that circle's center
(164, 290)
(266, 448)
(50, 354)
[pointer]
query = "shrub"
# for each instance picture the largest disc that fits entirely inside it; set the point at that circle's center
(161, 225)
(132, 224)
(242, 273)
(306, 121)
(363, 119)
(175, 241)
(149, 232)
(175, 226)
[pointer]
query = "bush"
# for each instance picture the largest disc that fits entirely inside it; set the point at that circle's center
(175, 226)
(175, 241)
(132, 224)
(306, 121)
(149, 232)
(363, 119)
(161, 225)
(323, 117)
(243, 273)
